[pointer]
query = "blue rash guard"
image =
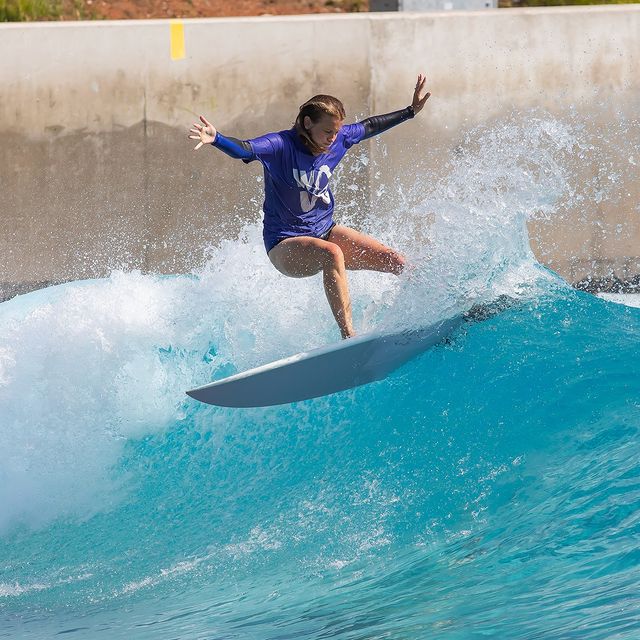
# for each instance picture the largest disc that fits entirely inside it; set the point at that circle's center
(298, 200)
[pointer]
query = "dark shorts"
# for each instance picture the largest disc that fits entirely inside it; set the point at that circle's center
(324, 236)
(327, 233)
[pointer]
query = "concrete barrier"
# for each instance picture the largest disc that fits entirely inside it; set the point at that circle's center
(96, 169)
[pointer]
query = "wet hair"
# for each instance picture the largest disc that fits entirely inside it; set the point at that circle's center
(315, 108)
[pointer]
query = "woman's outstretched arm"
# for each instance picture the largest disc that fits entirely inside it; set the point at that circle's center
(377, 124)
(206, 133)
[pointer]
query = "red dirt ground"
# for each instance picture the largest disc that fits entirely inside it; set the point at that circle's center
(136, 9)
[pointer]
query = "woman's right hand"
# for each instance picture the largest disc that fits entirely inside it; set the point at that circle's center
(205, 133)
(418, 99)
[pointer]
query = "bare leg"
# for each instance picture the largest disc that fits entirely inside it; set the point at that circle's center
(363, 252)
(305, 256)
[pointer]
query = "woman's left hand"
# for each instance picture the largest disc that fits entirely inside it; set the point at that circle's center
(418, 99)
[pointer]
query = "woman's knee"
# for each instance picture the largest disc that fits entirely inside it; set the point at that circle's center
(398, 262)
(332, 256)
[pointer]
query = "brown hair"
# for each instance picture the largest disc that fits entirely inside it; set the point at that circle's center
(315, 108)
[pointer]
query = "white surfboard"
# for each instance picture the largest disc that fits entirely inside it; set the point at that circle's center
(320, 372)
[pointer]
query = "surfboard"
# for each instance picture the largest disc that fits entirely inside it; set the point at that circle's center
(325, 370)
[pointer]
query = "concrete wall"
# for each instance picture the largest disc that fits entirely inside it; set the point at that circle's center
(97, 172)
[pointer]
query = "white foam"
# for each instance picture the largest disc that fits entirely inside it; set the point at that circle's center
(628, 299)
(81, 372)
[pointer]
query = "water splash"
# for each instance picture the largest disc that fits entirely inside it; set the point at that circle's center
(113, 357)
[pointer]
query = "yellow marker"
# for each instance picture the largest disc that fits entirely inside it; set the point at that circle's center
(177, 40)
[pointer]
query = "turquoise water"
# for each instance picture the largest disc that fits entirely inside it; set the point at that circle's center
(488, 489)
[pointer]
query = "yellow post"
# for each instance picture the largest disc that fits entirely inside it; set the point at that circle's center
(177, 40)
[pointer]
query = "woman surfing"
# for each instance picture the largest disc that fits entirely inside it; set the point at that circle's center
(300, 236)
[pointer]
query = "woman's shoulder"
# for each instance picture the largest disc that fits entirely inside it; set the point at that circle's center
(289, 136)
(352, 133)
